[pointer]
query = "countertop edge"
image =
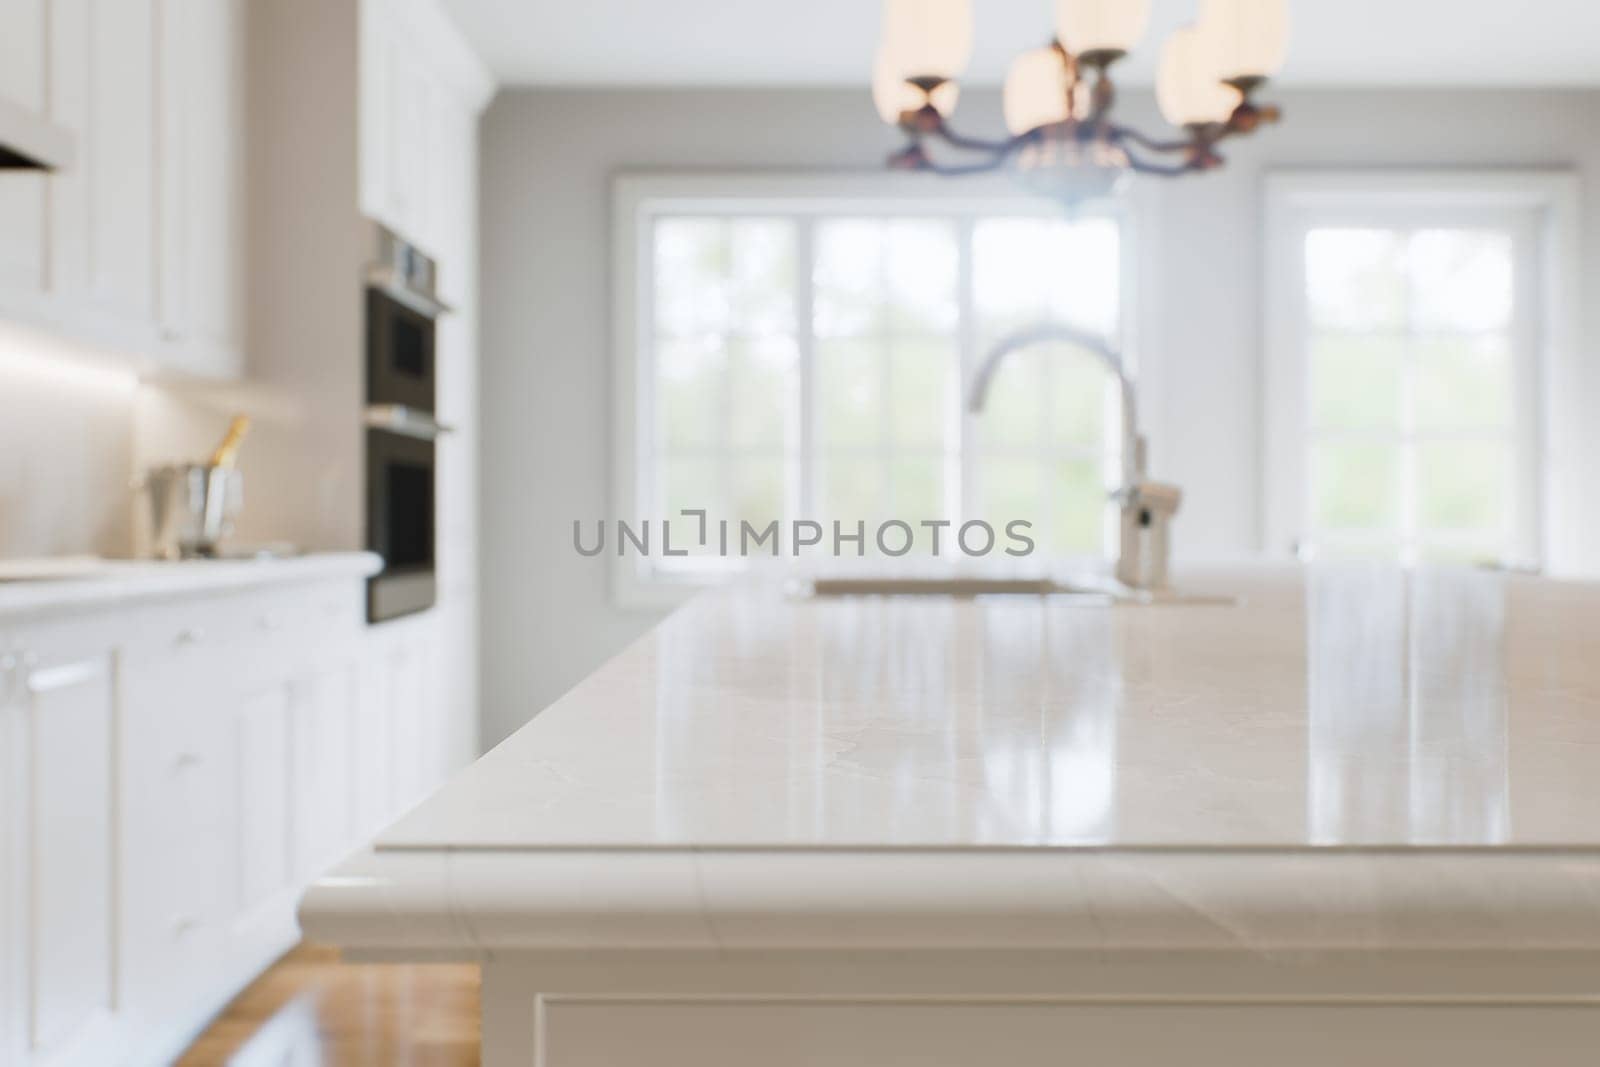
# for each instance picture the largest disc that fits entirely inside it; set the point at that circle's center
(1240, 902)
(139, 583)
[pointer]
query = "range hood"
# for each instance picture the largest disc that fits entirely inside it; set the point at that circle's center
(29, 142)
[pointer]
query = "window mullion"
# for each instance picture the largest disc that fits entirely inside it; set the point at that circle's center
(800, 492)
(1410, 532)
(961, 462)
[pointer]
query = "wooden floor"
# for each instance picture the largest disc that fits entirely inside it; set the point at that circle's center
(311, 1009)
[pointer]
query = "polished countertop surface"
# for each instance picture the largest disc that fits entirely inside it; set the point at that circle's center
(1331, 707)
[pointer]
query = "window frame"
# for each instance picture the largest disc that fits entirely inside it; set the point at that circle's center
(639, 198)
(1547, 434)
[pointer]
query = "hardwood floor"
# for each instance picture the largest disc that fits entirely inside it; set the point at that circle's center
(311, 1010)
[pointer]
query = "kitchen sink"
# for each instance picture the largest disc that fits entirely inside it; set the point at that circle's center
(953, 586)
(1092, 590)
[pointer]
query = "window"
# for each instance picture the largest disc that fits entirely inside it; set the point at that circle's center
(1407, 332)
(806, 357)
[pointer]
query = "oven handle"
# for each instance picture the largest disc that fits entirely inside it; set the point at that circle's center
(397, 418)
(387, 279)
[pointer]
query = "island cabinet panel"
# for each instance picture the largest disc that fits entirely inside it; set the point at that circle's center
(1032, 1034)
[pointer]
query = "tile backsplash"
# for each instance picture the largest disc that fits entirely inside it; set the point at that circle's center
(66, 457)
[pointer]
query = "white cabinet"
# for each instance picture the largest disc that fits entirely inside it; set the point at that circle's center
(22, 193)
(201, 167)
(177, 799)
(421, 89)
(61, 729)
(322, 725)
(402, 664)
(171, 776)
(137, 246)
(119, 161)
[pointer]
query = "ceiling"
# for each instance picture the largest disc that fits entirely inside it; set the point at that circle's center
(830, 42)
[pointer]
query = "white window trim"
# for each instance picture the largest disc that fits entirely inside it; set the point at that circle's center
(1553, 396)
(636, 198)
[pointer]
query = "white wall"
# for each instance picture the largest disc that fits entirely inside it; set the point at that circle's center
(549, 156)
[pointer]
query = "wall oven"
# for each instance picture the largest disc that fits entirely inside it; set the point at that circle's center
(401, 309)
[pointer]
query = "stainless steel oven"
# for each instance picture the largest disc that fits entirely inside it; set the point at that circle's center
(401, 309)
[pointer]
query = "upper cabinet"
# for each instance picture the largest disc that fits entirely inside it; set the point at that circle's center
(202, 252)
(136, 247)
(23, 67)
(422, 88)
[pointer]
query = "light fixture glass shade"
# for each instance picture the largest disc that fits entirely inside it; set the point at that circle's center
(1189, 85)
(893, 96)
(1101, 25)
(1252, 35)
(927, 38)
(1036, 90)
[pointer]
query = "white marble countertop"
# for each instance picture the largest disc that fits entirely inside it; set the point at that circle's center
(92, 583)
(1339, 707)
(1348, 758)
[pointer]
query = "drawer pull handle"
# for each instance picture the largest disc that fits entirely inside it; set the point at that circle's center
(190, 635)
(185, 760)
(270, 623)
(183, 927)
(48, 679)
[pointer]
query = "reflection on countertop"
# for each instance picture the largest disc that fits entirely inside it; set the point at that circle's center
(1335, 706)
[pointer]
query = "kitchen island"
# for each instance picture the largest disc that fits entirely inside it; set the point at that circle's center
(1353, 817)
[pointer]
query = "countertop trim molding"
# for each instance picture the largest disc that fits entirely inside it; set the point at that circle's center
(480, 902)
(137, 581)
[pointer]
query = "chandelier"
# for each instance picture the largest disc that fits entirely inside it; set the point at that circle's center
(1058, 99)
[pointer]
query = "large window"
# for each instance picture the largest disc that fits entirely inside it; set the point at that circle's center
(807, 358)
(1407, 335)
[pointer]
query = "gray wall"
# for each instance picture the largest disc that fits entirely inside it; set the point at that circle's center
(548, 159)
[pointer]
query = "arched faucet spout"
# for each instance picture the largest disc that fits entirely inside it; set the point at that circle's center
(1097, 346)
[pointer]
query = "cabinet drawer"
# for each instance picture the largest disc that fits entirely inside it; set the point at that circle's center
(244, 636)
(177, 878)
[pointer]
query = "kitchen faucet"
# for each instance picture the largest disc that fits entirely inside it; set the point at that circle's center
(1147, 507)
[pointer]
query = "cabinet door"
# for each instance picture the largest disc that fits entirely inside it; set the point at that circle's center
(200, 161)
(68, 729)
(373, 757)
(401, 666)
(22, 193)
(324, 792)
(13, 795)
(261, 754)
(177, 813)
(69, 189)
(119, 158)
(457, 690)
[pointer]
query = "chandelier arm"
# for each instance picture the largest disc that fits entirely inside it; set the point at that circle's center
(1165, 170)
(961, 170)
(1150, 144)
(999, 149)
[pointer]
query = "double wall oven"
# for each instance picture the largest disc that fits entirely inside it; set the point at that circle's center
(401, 313)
